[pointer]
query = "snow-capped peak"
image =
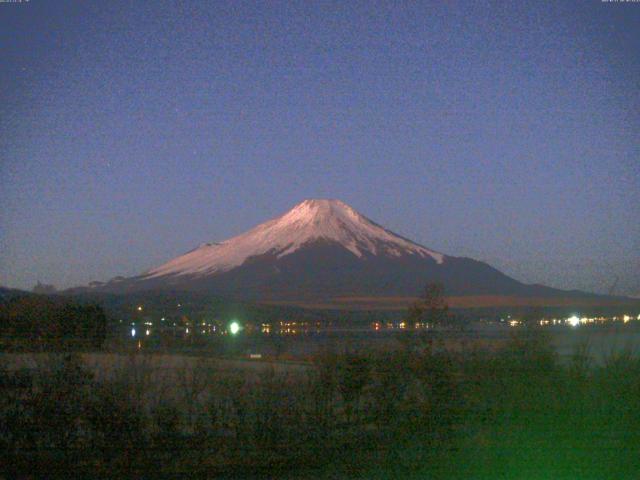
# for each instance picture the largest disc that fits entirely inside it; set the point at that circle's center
(308, 221)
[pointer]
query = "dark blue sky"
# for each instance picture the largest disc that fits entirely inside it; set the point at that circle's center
(504, 131)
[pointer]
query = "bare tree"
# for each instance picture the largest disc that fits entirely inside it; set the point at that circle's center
(431, 309)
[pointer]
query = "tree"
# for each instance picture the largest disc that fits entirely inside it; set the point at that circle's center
(353, 375)
(54, 322)
(431, 309)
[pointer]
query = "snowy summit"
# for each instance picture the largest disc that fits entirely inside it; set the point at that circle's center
(306, 223)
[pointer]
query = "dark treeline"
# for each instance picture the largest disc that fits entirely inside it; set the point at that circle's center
(40, 322)
(417, 411)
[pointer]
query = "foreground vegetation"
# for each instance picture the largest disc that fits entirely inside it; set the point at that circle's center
(419, 411)
(37, 322)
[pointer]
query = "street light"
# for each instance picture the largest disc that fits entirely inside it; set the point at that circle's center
(234, 328)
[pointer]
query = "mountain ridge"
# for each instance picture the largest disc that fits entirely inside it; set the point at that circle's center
(321, 250)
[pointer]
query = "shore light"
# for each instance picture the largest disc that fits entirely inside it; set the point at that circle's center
(234, 328)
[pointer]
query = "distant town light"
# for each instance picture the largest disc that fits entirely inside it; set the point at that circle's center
(133, 332)
(234, 328)
(574, 321)
(139, 308)
(147, 332)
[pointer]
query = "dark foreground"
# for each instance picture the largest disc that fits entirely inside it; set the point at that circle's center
(418, 412)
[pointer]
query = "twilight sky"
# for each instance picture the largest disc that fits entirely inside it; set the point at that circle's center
(504, 131)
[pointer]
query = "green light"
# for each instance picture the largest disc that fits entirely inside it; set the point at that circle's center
(234, 328)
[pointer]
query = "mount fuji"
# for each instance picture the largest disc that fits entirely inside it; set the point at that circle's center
(320, 251)
(327, 221)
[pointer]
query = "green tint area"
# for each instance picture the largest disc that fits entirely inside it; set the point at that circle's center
(418, 412)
